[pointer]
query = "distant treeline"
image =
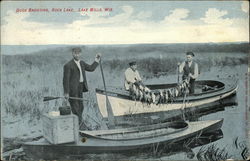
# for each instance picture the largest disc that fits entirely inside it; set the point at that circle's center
(163, 66)
(154, 58)
(138, 48)
(183, 47)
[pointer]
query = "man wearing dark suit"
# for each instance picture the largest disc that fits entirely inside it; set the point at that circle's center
(75, 82)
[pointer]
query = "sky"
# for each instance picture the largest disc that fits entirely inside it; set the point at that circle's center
(123, 22)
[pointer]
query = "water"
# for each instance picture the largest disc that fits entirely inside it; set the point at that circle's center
(234, 126)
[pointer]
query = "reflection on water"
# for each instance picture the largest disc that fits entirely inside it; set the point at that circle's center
(227, 102)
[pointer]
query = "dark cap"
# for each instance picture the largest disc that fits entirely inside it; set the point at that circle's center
(190, 53)
(132, 63)
(76, 49)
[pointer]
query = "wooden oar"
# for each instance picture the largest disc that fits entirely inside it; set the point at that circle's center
(184, 101)
(184, 104)
(111, 118)
(49, 98)
(178, 77)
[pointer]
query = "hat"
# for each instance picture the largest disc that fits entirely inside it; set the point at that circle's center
(76, 49)
(132, 63)
(190, 53)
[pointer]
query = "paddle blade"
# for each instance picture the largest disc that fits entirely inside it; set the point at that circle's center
(48, 98)
(111, 118)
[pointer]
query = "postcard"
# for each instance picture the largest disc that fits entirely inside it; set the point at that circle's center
(125, 80)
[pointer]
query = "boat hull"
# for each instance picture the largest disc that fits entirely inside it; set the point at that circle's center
(43, 150)
(191, 113)
(126, 107)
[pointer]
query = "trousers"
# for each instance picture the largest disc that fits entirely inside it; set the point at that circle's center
(77, 105)
(191, 86)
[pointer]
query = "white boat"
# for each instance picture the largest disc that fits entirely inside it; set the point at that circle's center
(123, 105)
(125, 140)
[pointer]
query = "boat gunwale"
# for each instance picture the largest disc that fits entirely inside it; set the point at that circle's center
(216, 123)
(179, 99)
(164, 125)
(197, 83)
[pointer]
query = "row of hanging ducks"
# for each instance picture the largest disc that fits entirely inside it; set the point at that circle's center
(161, 96)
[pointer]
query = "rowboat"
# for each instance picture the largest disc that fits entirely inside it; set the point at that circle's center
(124, 106)
(121, 140)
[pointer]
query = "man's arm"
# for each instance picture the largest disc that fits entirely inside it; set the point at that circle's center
(90, 68)
(181, 66)
(66, 77)
(138, 77)
(93, 66)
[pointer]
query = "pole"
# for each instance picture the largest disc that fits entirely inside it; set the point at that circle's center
(111, 118)
(184, 104)
(178, 77)
(184, 101)
(49, 98)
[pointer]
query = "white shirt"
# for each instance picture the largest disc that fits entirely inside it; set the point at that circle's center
(131, 77)
(80, 69)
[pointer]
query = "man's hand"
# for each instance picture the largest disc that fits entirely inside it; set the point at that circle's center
(178, 64)
(98, 57)
(191, 76)
(65, 102)
(66, 96)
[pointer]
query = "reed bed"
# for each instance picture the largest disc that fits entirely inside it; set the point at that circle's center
(213, 153)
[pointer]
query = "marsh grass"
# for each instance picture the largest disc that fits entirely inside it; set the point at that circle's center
(23, 92)
(213, 153)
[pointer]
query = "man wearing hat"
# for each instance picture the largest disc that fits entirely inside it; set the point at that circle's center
(190, 70)
(75, 82)
(132, 76)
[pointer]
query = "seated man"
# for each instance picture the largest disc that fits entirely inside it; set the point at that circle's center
(133, 82)
(132, 76)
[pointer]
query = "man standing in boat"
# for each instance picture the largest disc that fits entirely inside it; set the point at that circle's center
(75, 82)
(190, 70)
